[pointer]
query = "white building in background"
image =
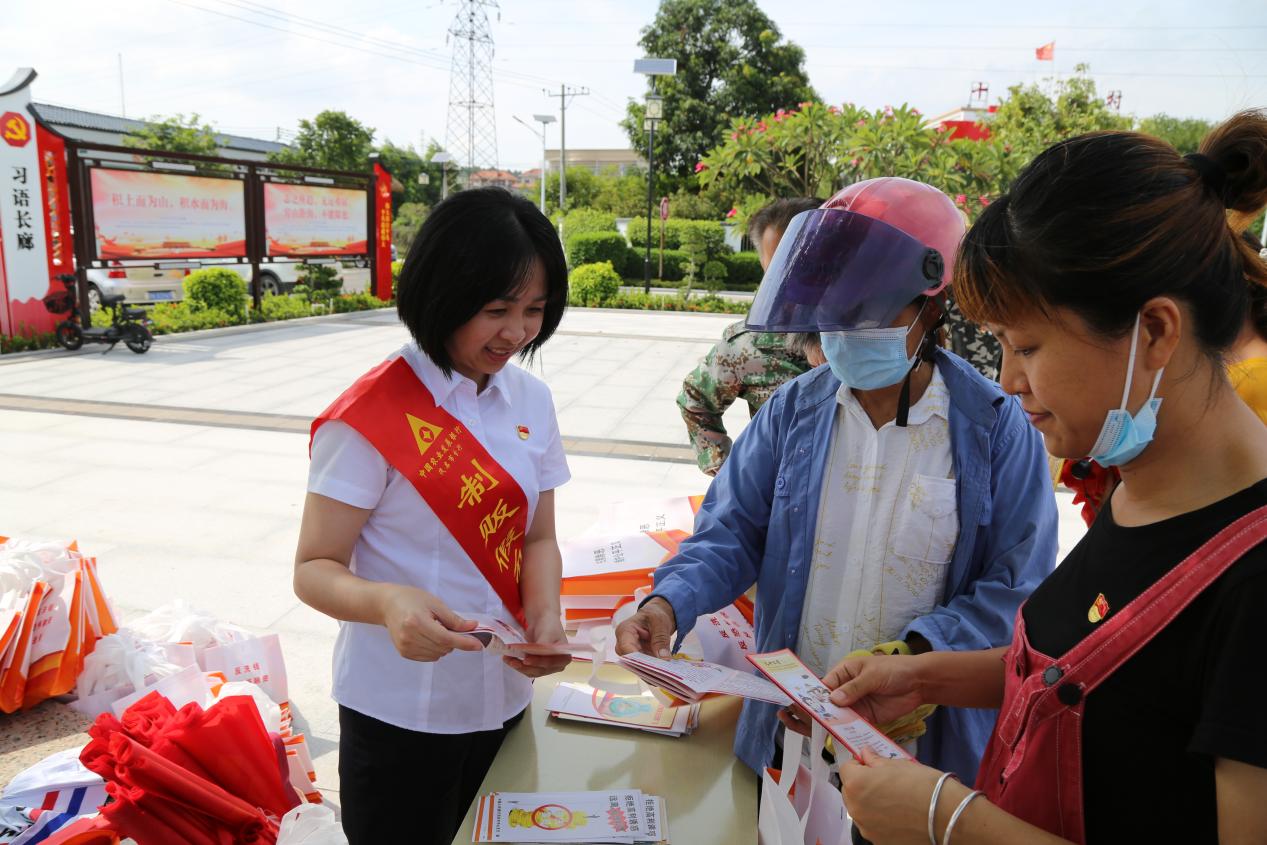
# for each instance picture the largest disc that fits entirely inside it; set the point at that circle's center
(598, 160)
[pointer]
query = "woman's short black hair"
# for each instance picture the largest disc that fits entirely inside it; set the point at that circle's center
(475, 247)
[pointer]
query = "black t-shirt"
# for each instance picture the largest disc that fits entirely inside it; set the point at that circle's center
(1196, 691)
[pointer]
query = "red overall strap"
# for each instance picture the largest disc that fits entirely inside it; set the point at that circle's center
(1100, 653)
(472, 495)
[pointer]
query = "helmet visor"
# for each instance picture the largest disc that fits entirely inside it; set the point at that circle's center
(836, 270)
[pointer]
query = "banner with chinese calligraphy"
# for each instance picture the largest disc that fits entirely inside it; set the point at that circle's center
(24, 271)
(301, 220)
(381, 284)
(163, 215)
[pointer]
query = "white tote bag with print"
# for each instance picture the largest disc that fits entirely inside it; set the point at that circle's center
(815, 813)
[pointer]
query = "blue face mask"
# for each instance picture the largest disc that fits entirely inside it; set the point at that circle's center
(1123, 437)
(868, 359)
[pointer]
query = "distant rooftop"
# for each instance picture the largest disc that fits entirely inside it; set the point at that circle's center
(61, 116)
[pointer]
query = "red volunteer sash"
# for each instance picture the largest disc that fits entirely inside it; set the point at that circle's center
(475, 498)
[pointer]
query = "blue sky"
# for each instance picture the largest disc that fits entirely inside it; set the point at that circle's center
(254, 66)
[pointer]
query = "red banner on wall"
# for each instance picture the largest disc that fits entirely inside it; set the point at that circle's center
(381, 284)
(56, 187)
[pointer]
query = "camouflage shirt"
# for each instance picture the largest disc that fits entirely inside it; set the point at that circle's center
(744, 365)
(971, 343)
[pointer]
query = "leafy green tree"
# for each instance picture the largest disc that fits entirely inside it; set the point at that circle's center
(732, 62)
(406, 221)
(706, 205)
(406, 164)
(583, 189)
(623, 195)
(1184, 134)
(175, 134)
(1030, 120)
(814, 150)
(332, 140)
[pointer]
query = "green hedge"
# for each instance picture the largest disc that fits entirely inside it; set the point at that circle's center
(583, 221)
(357, 302)
(670, 302)
(27, 340)
(674, 264)
(284, 308)
(170, 318)
(595, 248)
(714, 234)
(743, 268)
(217, 289)
(593, 284)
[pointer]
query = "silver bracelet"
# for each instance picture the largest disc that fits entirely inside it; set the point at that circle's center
(954, 817)
(932, 804)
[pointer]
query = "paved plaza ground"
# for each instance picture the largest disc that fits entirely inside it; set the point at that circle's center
(183, 470)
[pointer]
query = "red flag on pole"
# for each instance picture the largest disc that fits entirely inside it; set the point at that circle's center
(1046, 53)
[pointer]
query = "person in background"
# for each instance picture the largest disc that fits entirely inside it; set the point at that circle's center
(895, 499)
(430, 496)
(1247, 360)
(743, 364)
(1131, 696)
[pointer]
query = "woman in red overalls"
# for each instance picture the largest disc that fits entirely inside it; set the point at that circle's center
(1132, 696)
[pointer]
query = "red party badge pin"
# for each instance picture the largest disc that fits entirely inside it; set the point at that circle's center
(1099, 609)
(523, 431)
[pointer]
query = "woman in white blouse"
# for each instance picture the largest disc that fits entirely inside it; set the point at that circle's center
(431, 496)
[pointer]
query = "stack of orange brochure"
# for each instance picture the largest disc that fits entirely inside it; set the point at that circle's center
(583, 703)
(619, 816)
(848, 728)
(693, 680)
(603, 567)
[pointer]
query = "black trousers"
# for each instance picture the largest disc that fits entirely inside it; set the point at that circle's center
(398, 785)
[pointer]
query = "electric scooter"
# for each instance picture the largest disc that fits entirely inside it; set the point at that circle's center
(126, 324)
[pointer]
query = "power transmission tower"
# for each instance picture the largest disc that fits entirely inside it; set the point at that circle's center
(472, 129)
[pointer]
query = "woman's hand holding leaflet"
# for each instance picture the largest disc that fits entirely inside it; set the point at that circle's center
(422, 627)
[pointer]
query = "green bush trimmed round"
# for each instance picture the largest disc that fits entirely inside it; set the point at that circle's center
(593, 285)
(714, 273)
(217, 289)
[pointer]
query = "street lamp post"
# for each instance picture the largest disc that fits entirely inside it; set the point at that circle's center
(654, 114)
(652, 68)
(442, 158)
(545, 120)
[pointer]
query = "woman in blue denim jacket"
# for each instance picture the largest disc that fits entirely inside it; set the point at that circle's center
(895, 498)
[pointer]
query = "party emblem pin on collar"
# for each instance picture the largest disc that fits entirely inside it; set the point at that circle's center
(1099, 609)
(523, 431)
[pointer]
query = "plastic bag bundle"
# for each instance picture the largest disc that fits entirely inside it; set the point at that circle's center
(52, 613)
(311, 824)
(179, 622)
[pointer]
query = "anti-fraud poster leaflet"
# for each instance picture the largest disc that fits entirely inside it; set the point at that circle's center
(616, 816)
(691, 680)
(500, 636)
(636, 711)
(855, 733)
